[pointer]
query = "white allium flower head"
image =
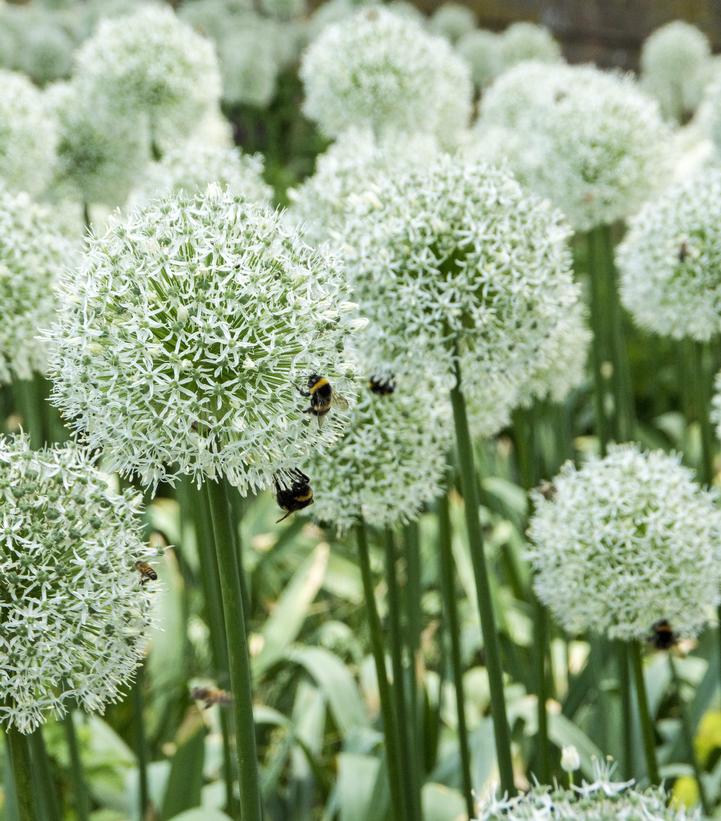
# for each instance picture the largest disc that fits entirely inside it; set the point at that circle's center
(392, 460)
(28, 136)
(187, 335)
(250, 60)
(602, 799)
(670, 260)
(443, 251)
(481, 50)
(74, 611)
(589, 140)
(406, 9)
(152, 62)
(626, 541)
(452, 20)
(193, 165)
(380, 70)
(527, 41)
(46, 50)
(33, 253)
(101, 152)
(674, 67)
(347, 172)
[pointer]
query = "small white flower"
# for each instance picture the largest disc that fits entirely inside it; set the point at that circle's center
(193, 165)
(452, 20)
(626, 541)
(675, 66)
(74, 611)
(383, 71)
(150, 62)
(28, 135)
(669, 260)
(570, 759)
(253, 291)
(588, 140)
(524, 41)
(33, 253)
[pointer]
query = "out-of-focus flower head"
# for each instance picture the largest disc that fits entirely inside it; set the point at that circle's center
(527, 41)
(382, 71)
(452, 20)
(74, 609)
(481, 50)
(624, 542)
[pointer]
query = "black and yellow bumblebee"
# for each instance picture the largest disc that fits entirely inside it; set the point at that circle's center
(382, 385)
(211, 695)
(322, 396)
(547, 490)
(147, 574)
(294, 497)
(662, 636)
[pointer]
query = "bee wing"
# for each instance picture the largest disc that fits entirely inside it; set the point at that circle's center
(340, 401)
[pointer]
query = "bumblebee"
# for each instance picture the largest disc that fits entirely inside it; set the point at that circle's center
(211, 695)
(382, 385)
(147, 574)
(662, 636)
(547, 490)
(295, 497)
(322, 396)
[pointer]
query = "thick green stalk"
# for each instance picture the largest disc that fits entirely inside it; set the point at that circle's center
(42, 776)
(624, 680)
(390, 719)
(414, 626)
(80, 793)
(647, 732)
(18, 750)
(688, 737)
(448, 592)
(197, 505)
(407, 758)
(483, 588)
(527, 463)
(141, 749)
(27, 403)
(229, 572)
(87, 221)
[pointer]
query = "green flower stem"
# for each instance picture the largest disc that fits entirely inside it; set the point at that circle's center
(688, 737)
(414, 626)
(19, 754)
(407, 759)
(701, 379)
(27, 403)
(82, 804)
(624, 680)
(195, 503)
(390, 720)
(42, 776)
(87, 221)
(229, 572)
(483, 589)
(647, 732)
(141, 749)
(448, 592)
(527, 463)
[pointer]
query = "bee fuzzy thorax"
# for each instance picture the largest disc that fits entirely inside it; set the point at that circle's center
(293, 493)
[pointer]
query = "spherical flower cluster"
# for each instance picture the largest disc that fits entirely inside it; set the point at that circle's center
(588, 140)
(101, 152)
(603, 799)
(74, 611)
(675, 67)
(187, 335)
(527, 41)
(452, 20)
(45, 52)
(459, 253)
(193, 165)
(480, 49)
(153, 63)
(347, 171)
(250, 61)
(27, 135)
(32, 255)
(392, 460)
(380, 70)
(333, 11)
(624, 542)
(670, 260)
